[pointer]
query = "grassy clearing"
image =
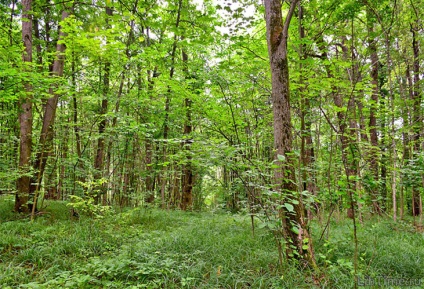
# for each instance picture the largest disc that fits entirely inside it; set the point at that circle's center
(146, 248)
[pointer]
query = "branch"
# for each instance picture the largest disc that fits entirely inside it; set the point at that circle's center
(320, 56)
(328, 120)
(288, 19)
(253, 52)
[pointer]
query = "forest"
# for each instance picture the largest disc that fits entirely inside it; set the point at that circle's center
(211, 144)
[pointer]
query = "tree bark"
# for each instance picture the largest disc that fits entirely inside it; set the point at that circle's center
(295, 229)
(25, 116)
(47, 130)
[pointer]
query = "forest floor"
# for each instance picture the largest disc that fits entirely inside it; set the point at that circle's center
(150, 248)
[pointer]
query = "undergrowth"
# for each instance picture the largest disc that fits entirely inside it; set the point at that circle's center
(148, 248)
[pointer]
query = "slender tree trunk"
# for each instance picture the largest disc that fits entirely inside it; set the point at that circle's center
(405, 134)
(307, 148)
(187, 172)
(37, 42)
(347, 137)
(362, 126)
(47, 130)
(60, 192)
(167, 105)
(125, 67)
(47, 28)
(372, 45)
(107, 169)
(346, 134)
(25, 11)
(25, 116)
(150, 176)
(417, 120)
(75, 113)
(295, 228)
(78, 176)
(100, 152)
(393, 186)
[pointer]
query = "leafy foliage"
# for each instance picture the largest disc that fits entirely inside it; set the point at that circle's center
(145, 248)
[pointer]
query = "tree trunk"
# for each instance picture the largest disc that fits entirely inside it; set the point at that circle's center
(167, 106)
(307, 147)
(416, 118)
(100, 191)
(347, 135)
(112, 137)
(295, 229)
(60, 192)
(187, 172)
(149, 146)
(25, 116)
(373, 109)
(78, 168)
(47, 130)
(406, 132)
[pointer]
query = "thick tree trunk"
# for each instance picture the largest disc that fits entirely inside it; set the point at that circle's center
(295, 229)
(25, 116)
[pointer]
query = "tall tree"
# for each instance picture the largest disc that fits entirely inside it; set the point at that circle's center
(100, 151)
(372, 46)
(307, 148)
(417, 114)
(47, 130)
(187, 171)
(294, 224)
(25, 115)
(166, 128)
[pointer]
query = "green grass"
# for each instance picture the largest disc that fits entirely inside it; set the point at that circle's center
(147, 248)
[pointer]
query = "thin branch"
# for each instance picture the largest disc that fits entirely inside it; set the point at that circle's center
(254, 53)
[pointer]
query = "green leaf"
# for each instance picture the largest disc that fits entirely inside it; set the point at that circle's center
(281, 158)
(289, 207)
(295, 202)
